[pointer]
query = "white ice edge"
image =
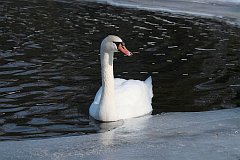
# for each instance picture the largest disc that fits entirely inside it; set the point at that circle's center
(170, 136)
(228, 11)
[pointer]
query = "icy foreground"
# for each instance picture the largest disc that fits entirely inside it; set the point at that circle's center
(203, 135)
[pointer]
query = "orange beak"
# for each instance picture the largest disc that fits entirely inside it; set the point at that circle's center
(123, 49)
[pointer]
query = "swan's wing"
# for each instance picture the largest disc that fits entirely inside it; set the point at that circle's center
(133, 99)
(126, 90)
(132, 93)
(117, 82)
(129, 90)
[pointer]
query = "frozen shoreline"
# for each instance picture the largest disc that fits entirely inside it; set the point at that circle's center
(193, 135)
(228, 11)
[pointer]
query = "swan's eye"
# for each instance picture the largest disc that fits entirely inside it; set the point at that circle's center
(118, 44)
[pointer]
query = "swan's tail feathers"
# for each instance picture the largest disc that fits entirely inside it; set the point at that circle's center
(148, 82)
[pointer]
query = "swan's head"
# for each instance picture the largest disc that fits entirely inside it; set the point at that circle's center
(114, 44)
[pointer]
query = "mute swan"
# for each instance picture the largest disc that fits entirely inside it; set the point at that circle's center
(119, 98)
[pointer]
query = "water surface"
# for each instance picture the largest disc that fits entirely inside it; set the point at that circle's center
(50, 70)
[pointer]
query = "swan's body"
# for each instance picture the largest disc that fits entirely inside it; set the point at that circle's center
(119, 98)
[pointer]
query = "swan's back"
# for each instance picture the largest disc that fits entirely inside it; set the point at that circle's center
(133, 98)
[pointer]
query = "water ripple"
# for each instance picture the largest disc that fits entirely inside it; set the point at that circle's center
(50, 69)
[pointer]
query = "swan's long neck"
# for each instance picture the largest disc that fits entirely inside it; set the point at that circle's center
(107, 108)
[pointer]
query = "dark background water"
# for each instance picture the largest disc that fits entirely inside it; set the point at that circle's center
(50, 70)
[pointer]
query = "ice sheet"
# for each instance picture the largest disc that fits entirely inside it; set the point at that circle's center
(203, 135)
(227, 10)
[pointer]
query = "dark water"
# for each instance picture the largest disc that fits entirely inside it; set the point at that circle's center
(50, 71)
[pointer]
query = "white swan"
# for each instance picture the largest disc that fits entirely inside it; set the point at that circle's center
(119, 98)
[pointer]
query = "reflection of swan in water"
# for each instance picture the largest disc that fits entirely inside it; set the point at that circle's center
(106, 130)
(120, 132)
(104, 127)
(119, 98)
